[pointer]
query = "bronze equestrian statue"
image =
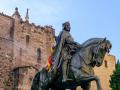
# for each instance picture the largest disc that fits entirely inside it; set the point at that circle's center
(81, 61)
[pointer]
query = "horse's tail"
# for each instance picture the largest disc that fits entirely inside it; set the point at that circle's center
(39, 80)
(35, 82)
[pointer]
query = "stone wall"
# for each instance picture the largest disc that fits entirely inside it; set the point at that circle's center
(29, 40)
(6, 26)
(24, 48)
(6, 63)
(6, 51)
(22, 77)
(5, 73)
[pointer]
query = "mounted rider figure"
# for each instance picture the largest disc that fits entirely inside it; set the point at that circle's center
(64, 50)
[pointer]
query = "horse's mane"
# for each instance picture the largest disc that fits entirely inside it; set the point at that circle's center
(92, 41)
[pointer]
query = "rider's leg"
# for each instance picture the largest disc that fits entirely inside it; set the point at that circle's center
(64, 70)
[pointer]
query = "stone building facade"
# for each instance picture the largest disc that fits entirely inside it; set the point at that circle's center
(104, 72)
(24, 49)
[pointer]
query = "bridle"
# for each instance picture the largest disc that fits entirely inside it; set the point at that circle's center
(96, 52)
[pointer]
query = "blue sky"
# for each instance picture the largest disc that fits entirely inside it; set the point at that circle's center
(88, 18)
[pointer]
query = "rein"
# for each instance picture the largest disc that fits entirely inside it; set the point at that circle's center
(95, 53)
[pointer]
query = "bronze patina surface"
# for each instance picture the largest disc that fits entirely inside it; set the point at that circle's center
(72, 63)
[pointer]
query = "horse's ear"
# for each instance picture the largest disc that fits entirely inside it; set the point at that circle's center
(104, 39)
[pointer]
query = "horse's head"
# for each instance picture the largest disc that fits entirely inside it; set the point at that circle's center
(99, 51)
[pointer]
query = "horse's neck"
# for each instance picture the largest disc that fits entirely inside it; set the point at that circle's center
(80, 58)
(86, 54)
(81, 61)
(87, 58)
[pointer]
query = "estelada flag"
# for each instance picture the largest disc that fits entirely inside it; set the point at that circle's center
(49, 63)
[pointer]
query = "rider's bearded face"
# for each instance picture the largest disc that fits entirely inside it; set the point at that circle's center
(66, 26)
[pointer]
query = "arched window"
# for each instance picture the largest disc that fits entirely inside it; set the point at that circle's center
(11, 32)
(16, 77)
(106, 64)
(38, 55)
(27, 39)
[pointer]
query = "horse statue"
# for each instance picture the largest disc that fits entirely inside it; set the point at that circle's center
(81, 71)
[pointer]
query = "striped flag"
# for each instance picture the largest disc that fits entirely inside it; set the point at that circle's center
(49, 63)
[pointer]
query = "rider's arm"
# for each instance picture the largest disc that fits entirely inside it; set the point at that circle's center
(69, 40)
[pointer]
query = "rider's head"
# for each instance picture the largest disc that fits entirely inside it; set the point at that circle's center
(66, 26)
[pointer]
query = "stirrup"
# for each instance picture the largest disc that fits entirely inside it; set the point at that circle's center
(67, 80)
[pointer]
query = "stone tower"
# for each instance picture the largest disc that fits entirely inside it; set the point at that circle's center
(24, 48)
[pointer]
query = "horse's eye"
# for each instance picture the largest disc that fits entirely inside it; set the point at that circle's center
(103, 46)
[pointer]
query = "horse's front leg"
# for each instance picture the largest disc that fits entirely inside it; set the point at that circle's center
(89, 79)
(98, 83)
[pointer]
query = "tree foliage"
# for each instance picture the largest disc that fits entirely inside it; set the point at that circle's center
(115, 77)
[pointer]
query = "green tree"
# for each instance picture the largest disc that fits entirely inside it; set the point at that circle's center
(115, 77)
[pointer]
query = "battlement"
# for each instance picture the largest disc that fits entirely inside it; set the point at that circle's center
(2, 14)
(33, 27)
(37, 28)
